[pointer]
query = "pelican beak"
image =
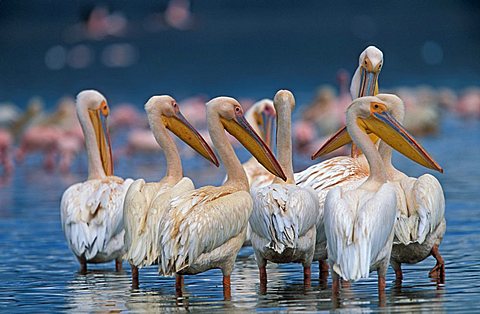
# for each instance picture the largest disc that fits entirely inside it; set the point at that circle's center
(268, 123)
(394, 134)
(244, 133)
(368, 83)
(99, 121)
(337, 140)
(187, 133)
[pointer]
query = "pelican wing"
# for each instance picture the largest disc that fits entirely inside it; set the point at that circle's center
(426, 208)
(335, 171)
(199, 222)
(92, 217)
(158, 209)
(359, 224)
(137, 203)
(283, 213)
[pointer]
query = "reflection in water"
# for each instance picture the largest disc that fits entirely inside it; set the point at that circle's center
(40, 274)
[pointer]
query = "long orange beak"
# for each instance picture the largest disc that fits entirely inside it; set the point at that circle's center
(245, 134)
(103, 138)
(387, 128)
(187, 133)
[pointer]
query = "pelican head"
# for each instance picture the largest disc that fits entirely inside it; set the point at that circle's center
(261, 117)
(375, 115)
(96, 105)
(168, 110)
(365, 79)
(230, 114)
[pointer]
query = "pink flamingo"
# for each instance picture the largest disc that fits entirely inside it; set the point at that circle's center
(6, 159)
(468, 105)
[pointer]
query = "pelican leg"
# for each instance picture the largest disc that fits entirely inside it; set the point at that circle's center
(83, 265)
(227, 292)
(323, 274)
(439, 270)
(179, 283)
(335, 283)
(397, 267)
(307, 276)
(135, 283)
(382, 272)
(262, 270)
(118, 264)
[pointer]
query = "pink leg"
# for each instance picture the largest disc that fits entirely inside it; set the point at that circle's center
(227, 292)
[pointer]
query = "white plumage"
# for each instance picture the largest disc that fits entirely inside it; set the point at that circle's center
(281, 215)
(92, 218)
(199, 226)
(322, 177)
(359, 227)
(145, 205)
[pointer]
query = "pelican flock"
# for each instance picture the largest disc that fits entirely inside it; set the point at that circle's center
(420, 201)
(205, 228)
(354, 214)
(357, 242)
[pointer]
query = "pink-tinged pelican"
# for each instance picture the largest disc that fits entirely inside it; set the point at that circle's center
(360, 216)
(92, 211)
(421, 225)
(146, 203)
(284, 217)
(341, 170)
(206, 228)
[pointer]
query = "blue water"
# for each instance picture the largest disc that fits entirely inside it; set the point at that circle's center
(39, 273)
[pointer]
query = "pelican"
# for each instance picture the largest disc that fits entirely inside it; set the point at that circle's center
(284, 216)
(360, 216)
(205, 228)
(342, 170)
(146, 203)
(421, 225)
(92, 211)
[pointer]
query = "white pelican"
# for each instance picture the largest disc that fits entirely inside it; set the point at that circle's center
(146, 203)
(421, 225)
(284, 217)
(341, 170)
(360, 217)
(206, 228)
(92, 211)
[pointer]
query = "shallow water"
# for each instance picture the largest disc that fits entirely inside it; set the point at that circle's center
(39, 273)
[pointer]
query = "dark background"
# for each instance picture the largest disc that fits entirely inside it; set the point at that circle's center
(240, 47)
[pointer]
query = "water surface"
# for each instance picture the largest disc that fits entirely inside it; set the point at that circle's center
(39, 273)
